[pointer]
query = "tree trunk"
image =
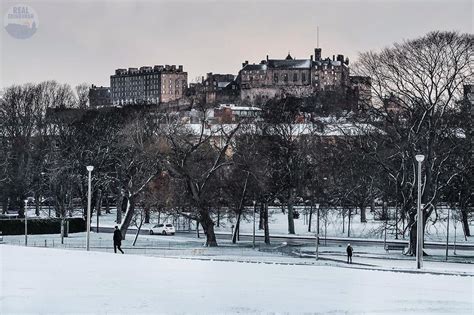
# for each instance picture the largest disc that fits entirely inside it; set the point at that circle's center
(413, 234)
(138, 232)
(119, 209)
(349, 224)
(128, 215)
(107, 205)
(208, 226)
(343, 221)
(291, 220)
(310, 217)
(265, 223)
(465, 222)
(37, 204)
(261, 219)
(98, 203)
(237, 228)
(363, 218)
(236, 235)
(4, 205)
(147, 214)
(218, 217)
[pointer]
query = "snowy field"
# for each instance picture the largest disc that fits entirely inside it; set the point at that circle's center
(186, 245)
(331, 225)
(52, 281)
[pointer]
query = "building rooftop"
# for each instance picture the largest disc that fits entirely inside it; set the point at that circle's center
(289, 63)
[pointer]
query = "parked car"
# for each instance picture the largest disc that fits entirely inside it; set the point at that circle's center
(163, 229)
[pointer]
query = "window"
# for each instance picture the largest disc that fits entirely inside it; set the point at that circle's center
(295, 77)
(275, 77)
(303, 77)
(285, 77)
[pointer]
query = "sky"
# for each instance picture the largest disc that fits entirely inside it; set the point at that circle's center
(85, 41)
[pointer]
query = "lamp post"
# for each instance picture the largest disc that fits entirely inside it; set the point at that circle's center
(419, 219)
(26, 222)
(447, 235)
(317, 221)
(385, 214)
(89, 168)
(254, 210)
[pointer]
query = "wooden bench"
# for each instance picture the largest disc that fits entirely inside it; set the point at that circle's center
(395, 247)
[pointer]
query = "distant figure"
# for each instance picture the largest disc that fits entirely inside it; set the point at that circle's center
(117, 240)
(349, 253)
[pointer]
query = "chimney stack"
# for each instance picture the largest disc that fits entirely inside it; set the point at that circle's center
(317, 54)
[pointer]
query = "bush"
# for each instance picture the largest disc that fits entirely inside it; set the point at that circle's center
(40, 226)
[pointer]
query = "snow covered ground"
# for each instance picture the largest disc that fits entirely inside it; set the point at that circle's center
(52, 281)
(190, 247)
(333, 226)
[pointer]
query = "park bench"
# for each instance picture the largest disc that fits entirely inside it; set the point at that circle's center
(395, 247)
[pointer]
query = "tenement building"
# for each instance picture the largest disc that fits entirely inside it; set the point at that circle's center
(148, 85)
(297, 77)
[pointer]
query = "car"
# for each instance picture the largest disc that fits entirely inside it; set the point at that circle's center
(163, 229)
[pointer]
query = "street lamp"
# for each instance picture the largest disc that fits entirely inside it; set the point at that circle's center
(254, 210)
(385, 215)
(317, 221)
(419, 220)
(89, 168)
(26, 222)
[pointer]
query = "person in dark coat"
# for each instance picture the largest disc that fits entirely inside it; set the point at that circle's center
(117, 240)
(349, 253)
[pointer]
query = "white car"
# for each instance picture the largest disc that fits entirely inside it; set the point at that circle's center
(163, 229)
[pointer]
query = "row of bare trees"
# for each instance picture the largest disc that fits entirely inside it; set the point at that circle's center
(145, 158)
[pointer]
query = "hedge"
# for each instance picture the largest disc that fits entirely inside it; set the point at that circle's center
(40, 226)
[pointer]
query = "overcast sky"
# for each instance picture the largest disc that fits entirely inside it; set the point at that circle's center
(85, 41)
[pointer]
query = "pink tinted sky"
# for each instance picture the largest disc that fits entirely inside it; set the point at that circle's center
(85, 41)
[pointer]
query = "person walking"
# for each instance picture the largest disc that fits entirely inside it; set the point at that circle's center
(349, 253)
(117, 240)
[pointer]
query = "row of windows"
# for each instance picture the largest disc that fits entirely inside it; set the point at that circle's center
(285, 77)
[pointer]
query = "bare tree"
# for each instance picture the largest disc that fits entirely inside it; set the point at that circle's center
(195, 155)
(82, 92)
(415, 87)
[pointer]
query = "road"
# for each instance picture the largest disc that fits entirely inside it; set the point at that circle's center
(299, 239)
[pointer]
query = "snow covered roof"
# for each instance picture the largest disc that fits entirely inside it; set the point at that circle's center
(223, 84)
(331, 130)
(289, 63)
(233, 107)
(254, 67)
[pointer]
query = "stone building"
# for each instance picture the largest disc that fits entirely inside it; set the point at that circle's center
(217, 88)
(296, 77)
(360, 89)
(99, 96)
(148, 85)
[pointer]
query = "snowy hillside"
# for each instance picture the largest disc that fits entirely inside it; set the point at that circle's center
(49, 281)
